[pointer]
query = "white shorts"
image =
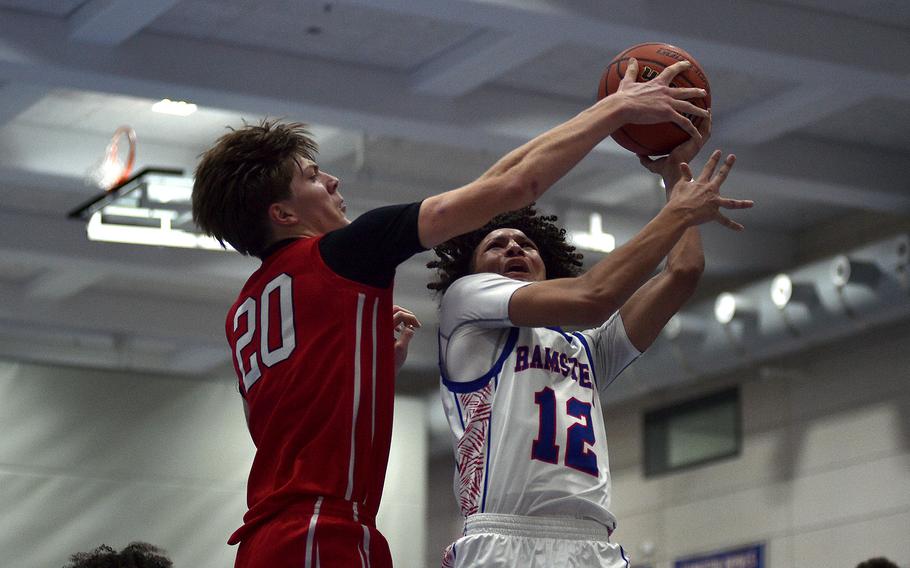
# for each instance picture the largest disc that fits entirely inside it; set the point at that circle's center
(506, 541)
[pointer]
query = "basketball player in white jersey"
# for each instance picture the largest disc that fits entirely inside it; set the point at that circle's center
(521, 393)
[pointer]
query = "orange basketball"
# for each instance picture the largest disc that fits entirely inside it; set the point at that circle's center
(654, 139)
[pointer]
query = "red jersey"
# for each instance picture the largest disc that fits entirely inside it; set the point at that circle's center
(314, 353)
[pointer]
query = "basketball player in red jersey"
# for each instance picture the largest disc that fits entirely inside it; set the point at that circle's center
(311, 332)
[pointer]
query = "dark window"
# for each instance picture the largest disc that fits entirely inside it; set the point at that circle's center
(692, 433)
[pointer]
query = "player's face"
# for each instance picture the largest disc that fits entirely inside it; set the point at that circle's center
(316, 199)
(511, 253)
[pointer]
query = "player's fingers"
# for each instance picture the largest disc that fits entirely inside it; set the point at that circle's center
(631, 72)
(401, 347)
(404, 321)
(685, 172)
(725, 168)
(404, 316)
(729, 223)
(404, 338)
(672, 71)
(727, 203)
(686, 125)
(705, 126)
(708, 170)
(397, 308)
(685, 107)
(687, 93)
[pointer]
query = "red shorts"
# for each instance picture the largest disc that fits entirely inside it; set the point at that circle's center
(315, 538)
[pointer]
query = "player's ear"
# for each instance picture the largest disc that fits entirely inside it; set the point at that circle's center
(281, 213)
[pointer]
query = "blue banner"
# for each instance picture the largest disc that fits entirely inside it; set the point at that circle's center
(746, 557)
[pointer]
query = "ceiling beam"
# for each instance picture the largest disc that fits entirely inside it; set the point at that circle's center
(111, 22)
(55, 345)
(823, 193)
(131, 314)
(611, 191)
(795, 109)
(57, 285)
(481, 59)
(18, 97)
(62, 244)
(255, 81)
(742, 36)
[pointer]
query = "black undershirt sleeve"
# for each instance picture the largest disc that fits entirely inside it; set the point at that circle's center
(373, 245)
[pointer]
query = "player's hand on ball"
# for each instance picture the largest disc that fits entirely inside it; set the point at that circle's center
(404, 322)
(655, 101)
(699, 198)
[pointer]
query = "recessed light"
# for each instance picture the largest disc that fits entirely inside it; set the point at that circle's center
(176, 108)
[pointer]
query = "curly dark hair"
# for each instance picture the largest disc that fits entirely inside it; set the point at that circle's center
(237, 179)
(455, 255)
(135, 555)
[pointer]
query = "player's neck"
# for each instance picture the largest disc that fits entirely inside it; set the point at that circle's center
(294, 232)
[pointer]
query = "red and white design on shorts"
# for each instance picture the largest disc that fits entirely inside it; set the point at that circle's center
(448, 557)
(470, 454)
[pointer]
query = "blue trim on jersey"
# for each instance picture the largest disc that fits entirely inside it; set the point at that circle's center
(623, 554)
(560, 331)
(590, 358)
(479, 383)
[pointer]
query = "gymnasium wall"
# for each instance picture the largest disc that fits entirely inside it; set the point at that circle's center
(824, 478)
(824, 474)
(91, 457)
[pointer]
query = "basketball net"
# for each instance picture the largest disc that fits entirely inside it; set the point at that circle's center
(110, 171)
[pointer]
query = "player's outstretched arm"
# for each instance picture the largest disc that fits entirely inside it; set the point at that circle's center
(649, 309)
(524, 174)
(595, 295)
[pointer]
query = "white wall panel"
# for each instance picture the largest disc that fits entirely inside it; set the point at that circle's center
(728, 520)
(402, 517)
(92, 457)
(845, 494)
(824, 474)
(852, 435)
(850, 544)
(634, 494)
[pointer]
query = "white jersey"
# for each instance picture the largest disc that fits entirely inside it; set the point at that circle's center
(523, 405)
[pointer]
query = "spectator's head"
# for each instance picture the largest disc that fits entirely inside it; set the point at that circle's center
(878, 562)
(136, 555)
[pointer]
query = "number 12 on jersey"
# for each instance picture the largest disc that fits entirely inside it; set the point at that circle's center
(578, 436)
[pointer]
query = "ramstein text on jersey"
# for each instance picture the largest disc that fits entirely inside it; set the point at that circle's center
(553, 361)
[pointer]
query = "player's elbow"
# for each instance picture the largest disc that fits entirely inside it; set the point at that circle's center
(520, 189)
(687, 274)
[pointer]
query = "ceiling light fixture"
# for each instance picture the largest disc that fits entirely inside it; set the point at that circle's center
(784, 291)
(176, 108)
(595, 239)
(163, 234)
(781, 290)
(846, 270)
(729, 306)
